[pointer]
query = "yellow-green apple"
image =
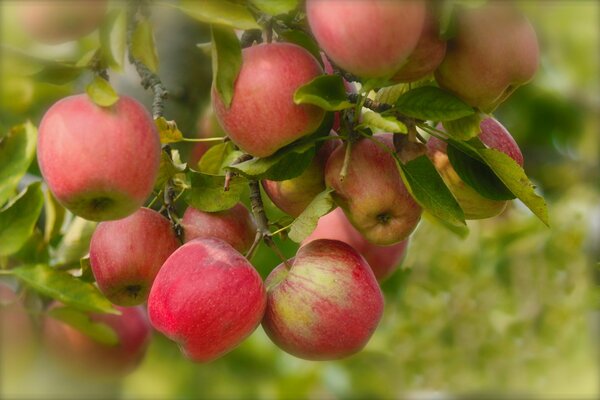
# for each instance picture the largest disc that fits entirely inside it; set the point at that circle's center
(326, 305)
(80, 352)
(427, 55)
(58, 21)
(99, 162)
(234, 226)
(375, 38)
(475, 206)
(383, 260)
(208, 298)
(262, 116)
(372, 193)
(126, 255)
(495, 50)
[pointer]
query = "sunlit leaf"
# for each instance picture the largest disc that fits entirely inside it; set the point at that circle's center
(17, 150)
(143, 47)
(168, 131)
(222, 12)
(306, 222)
(208, 194)
(18, 218)
(101, 92)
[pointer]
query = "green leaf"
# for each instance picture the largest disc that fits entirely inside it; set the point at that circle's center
(432, 103)
(226, 61)
(303, 40)
(391, 94)
(17, 150)
(429, 190)
(113, 38)
(98, 331)
(168, 131)
(276, 7)
(87, 58)
(306, 222)
(207, 193)
(220, 12)
(58, 73)
(169, 167)
(516, 181)
(87, 275)
(101, 93)
(478, 175)
(464, 128)
(63, 287)
(213, 161)
(325, 91)
(379, 123)
(143, 46)
(75, 242)
(54, 216)
(462, 231)
(18, 218)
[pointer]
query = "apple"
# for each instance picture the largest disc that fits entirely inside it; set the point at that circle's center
(208, 298)
(100, 163)
(262, 117)
(383, 260)
(59, 21)
(208, 127)
(234, 226)
(474, 205)
(126, 255)
(78, 351)
(495, 50)
(368, 38)
(372, 194)
(326, 306)
(427, 55)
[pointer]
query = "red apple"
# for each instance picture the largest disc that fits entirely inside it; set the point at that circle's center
(372, 193)
(234, 226)
(100, 163)
(326, 306)
(368, 38)
(81, 352)
(126, 255)
(475, 206)
(383, 260)
(262, 117)
(208, 298)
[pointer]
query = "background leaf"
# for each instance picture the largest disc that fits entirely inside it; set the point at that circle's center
(306, 222)
(113, 38)
(98, 331)
(18, 218)
(226, 61)
(303, 40)
(464, 128)
(432, 104)
(17, 150)
(143, 47)
(222, 12)
(276, 7)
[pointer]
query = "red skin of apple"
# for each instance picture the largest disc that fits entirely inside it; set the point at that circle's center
(494, 51)
(126, 255)
(262, 117)
(475, 206)
(426, 57)
(82, 353)
(100, 163)
(326, 306)
(383, 260)
(375, 38)
(208, 298)
(234, 226)
(59, 21)
(372, 194)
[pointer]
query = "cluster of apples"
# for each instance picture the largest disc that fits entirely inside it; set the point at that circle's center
(326, 302)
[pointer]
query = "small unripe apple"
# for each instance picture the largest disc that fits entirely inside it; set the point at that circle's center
(262, 117)
(368, 38)
(80, 352)
(372, 194)
(234, 226)
(326, 306)
(383, 260)
(208, 298)
(58, 21)
(126, 255)
(495, 50)
(474, 205)
(99, 162)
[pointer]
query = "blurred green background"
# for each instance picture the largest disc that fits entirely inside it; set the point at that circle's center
(512, 310)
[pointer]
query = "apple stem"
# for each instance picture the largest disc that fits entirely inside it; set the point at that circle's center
(229, 174)
(251, 36)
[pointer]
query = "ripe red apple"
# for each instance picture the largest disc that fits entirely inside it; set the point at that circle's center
(126, 255)
(372, 194)
(208, 298)
(374, 38)
(234, 226)
(79, 351)
(100, 163)
(427, 55)
(475, 206)
(262, 117)
(495, 50)
(58, 21)
(383, 260)
(326, 306)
